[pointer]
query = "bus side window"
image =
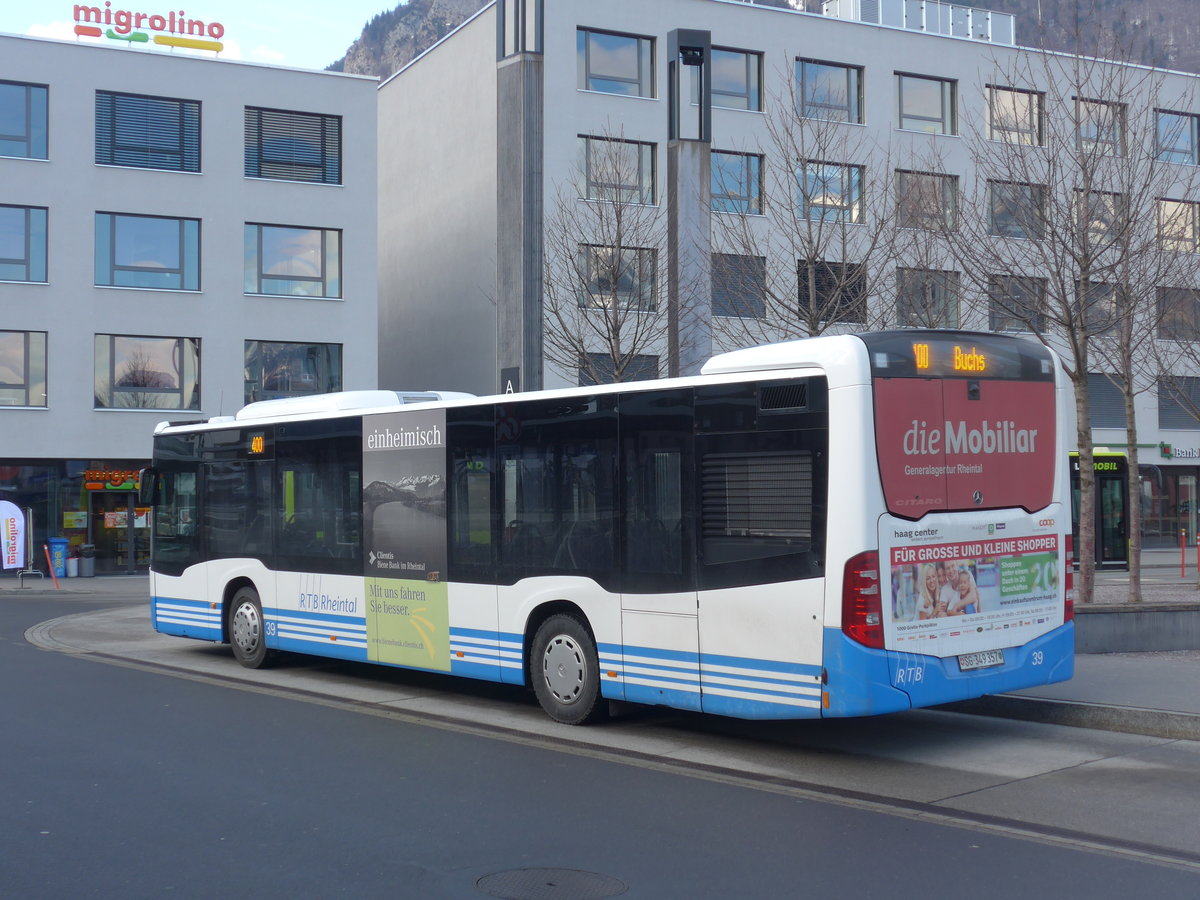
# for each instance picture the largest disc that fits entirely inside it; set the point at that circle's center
(558, 486)
(762, 507)
(471, 516)
(656, 438)
(318, 502)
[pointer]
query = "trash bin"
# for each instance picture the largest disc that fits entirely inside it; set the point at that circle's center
(87, 560)
(58, 556)
(72, 566)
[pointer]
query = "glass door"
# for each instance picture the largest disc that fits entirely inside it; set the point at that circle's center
(1114, 546)
(119, 532)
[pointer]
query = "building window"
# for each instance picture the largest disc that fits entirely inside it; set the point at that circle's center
(23, 119)
(616, 170)
(293, 146)
(1106, 400)
(927, 104)
(1100, 127)
(147, 252)
(1016, 303)
(289, 261)
(826, 90)
(615, 63)
(22, 243)
(1102, 214)
(739, 285)
(1017, 210)
(1179, 225)
(276, 369)
(926, 298)
(831, 291)
(1178, 314)
(927, 200)
(737, 183)
(1179, 403)
(1103, 307)
(147, 132)
(620, 278)
(736, 79)
(1178, 137)
(830, 192)
(599, 368)
(22, 368)
(1014, 116)
(135, 372)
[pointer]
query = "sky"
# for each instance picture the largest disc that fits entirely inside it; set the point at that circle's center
(305, 34)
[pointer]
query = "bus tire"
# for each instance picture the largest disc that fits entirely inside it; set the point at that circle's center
(565, 671)
(247, 634)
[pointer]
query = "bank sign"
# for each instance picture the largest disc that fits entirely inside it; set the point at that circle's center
(174, 28)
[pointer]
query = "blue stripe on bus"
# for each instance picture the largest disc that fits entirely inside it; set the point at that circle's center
(335, 649)
(765, 665)
(688, 656)
(742, 708)
(455, 631)
(741, 686)
(481, 671)
(185, 618)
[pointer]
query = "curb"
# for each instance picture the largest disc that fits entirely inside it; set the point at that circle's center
(1080, 714)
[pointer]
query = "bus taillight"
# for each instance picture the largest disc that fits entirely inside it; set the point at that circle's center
(862, 608)
(1069, 581)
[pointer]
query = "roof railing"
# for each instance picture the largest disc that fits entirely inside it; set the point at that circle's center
(929, 16)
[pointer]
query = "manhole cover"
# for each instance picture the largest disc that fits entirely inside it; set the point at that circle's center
(549, 884)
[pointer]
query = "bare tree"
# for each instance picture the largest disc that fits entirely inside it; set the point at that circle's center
(139, 370)
(813, 204)
(603, 292)
(1059, 230)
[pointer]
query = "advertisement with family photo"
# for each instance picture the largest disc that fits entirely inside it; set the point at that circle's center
(955, 596)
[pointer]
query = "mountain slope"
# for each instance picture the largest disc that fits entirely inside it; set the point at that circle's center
(1155, 32)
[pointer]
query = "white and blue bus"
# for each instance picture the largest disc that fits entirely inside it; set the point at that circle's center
(837, 526)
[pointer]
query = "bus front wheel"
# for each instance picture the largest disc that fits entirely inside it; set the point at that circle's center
(565, 671)
(246, 631)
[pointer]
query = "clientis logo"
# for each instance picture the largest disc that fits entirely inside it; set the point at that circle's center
(174, 29)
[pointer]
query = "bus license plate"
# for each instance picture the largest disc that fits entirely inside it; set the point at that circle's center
(981, 660)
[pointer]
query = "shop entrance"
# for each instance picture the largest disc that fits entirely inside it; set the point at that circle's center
(119, 531)
(1112, 492)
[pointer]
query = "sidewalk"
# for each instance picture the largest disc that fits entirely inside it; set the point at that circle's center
(100, 585)
(1155, 694)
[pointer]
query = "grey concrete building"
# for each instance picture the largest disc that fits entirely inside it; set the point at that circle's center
(179, 235)
(538, 120)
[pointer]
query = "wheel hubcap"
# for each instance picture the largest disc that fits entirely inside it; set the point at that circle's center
(247, 629)
(564, 668)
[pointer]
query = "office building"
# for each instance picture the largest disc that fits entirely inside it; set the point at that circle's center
(649, 177)
(179, 235)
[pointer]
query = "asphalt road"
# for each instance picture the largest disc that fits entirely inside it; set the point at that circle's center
(132, 780)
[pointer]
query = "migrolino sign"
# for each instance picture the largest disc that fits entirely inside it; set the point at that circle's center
(171, 29)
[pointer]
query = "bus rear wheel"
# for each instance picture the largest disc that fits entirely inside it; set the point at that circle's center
(247, 633)
(565, 671)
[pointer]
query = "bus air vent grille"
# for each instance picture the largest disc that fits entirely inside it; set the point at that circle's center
(777, 397)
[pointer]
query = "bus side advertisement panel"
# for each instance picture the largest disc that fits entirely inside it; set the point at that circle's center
(404, 539)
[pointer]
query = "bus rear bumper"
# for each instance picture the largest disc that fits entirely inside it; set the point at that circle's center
(865, 682)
